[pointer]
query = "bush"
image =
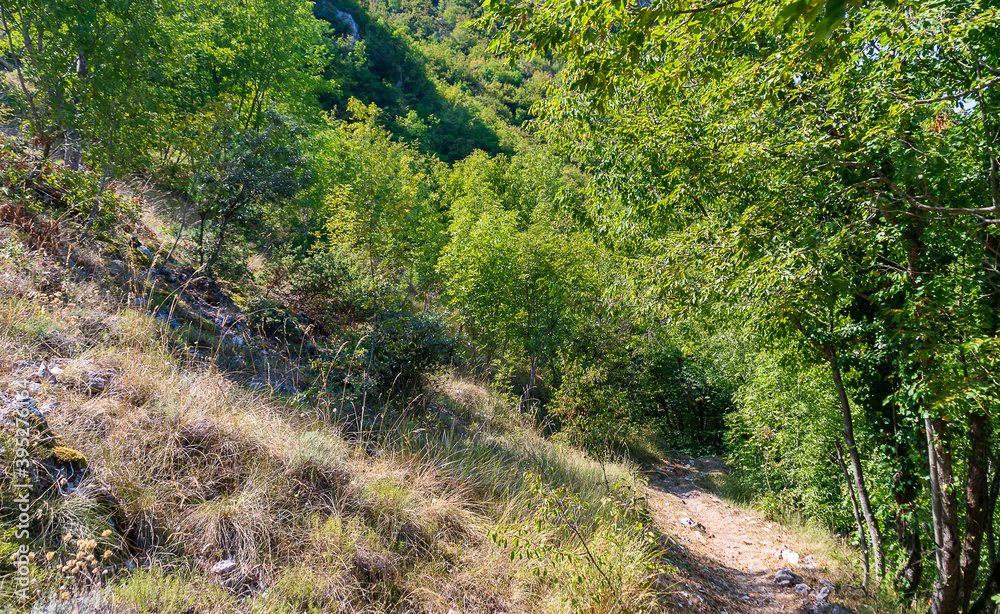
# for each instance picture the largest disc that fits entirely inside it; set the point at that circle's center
(593, 413)
(403, 346)
(32, 180)
(321, 282)
(270, 318)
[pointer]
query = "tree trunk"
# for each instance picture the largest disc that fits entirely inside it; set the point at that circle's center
(531, 379)
(180, 231)
(857, 512)
(975, 505)
(223, 224)
(991, 544)
(991, 586)
(201, 239)
(908, 531)
(946, 596)
(97, 200)
(859, 479)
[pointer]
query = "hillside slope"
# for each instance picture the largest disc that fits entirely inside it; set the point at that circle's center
(174, 453)
(175, 460)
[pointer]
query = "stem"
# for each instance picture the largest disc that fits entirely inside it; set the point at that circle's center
(857, 470)
(854, 506)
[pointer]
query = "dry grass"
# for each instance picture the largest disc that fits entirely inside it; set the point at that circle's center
(186, 468)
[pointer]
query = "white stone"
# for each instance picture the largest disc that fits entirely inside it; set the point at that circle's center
(223, 567)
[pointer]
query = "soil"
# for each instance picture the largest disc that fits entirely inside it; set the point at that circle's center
(726, 556)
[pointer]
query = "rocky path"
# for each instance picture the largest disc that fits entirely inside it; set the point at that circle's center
(728, 558)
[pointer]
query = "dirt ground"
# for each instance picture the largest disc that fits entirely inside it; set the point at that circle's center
(727, 556)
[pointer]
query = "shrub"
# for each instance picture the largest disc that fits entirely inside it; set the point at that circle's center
(270, 318)
(594, 413)
(403, 346)
(321, 281)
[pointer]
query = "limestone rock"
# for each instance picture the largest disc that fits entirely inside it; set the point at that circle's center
(224, 567)
(785, 577)
(822, 593)
(23, 412)
(692, 524)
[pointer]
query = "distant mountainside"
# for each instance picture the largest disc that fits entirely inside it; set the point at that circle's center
(431, 74)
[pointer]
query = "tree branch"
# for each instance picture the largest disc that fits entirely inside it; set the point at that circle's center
(710, 7)
(962, 94)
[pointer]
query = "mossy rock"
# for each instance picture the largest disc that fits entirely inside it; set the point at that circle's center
(205, 325)
(239, 300)
(142, 258)
(105, 237)
(68, 456)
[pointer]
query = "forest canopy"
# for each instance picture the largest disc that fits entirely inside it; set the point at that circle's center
(826, 175)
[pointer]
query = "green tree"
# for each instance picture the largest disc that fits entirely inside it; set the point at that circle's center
(85, 70)
(381, 197)
(516, 270)
(254, 168)
(758, 157)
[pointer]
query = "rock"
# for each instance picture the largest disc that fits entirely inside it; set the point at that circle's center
(46, 375)
(692, 524)
(164, 314)
(137, 245)
(224, 567)
(96, 384)
(785, 577)
(23, 411)
(802, 589)
(69, 456)
(822, 593)
(790, 556)
(828, 584)
(830, 608)
(65, 468)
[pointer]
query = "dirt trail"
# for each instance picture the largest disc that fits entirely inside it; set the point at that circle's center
(728, 557)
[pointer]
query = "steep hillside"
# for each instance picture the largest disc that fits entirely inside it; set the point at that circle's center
(431, 74)
(173, 452)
